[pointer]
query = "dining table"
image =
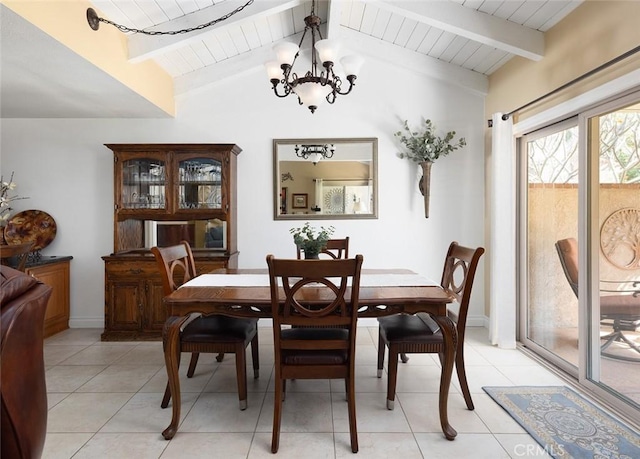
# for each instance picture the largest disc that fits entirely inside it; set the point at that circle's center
(246, 293)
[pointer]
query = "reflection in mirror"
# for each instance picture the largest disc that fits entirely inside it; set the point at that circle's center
(201, 234)
(325, 179)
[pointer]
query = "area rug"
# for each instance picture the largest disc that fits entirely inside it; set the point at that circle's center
(565, 424)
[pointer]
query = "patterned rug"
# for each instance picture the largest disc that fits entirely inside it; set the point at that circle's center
(565, 424)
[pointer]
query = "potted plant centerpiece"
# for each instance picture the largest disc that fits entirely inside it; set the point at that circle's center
(310, 240)
(424, 147)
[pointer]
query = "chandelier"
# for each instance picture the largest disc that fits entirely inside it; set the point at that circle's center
(314, 86)
(315, 152)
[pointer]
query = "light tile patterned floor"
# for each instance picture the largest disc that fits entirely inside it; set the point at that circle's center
(104, 402)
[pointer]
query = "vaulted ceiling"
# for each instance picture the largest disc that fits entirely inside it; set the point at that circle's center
(462, 41)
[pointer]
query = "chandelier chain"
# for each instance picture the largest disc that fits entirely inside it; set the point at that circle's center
(126, 29)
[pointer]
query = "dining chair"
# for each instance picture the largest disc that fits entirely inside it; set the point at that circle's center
(619, 304)
(320, 348)
(15, 255)
(419, 333)
(335, 248)
(210, 334)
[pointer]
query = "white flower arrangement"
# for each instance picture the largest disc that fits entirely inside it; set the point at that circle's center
(6, 199)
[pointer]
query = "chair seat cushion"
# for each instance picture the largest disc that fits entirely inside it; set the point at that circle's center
(406, 327)
(620, 305)
(315, 357)
(210, 329)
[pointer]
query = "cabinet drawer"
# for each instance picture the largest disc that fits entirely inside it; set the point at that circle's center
(132, 269)
(149, 270)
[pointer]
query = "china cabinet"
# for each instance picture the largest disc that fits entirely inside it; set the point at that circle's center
(163, 194)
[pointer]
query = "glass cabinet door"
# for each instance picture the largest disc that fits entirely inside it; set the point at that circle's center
(200, 184)
(143, 184)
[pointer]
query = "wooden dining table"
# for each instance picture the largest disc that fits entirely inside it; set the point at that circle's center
(382, 292)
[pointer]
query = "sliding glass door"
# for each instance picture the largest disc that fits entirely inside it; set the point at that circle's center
(612, 139)
(550, 199)
(580, 243)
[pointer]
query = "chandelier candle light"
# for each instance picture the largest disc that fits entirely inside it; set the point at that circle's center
(314, 87)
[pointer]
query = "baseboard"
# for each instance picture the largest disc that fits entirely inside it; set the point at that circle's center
(476, 321)
(86, 323)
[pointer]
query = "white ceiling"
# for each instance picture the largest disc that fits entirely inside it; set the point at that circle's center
(462, 41)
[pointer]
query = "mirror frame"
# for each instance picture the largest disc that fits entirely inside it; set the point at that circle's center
(277, 179)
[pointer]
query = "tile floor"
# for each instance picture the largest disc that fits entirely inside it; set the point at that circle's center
(104, 402)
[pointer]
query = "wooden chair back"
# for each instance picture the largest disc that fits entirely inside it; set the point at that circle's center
(457, 277)
(175, 262)
(16, 255)
(335, 249)
(333, 277)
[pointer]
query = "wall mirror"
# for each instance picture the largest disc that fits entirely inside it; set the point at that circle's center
(325, 179)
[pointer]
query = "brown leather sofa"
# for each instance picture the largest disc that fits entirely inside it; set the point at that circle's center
(23, 301)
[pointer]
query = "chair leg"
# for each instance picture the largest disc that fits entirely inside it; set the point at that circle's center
(617, 335)
(351, 400)
(277, 414)
(610, 338)
(166, 398)
(255, 357)
(404, 357)
(392, 377)
(631, 344)
(167, 392)
(220, 357)
(192, 364)
(462, 378)
(241, 375)
(381, 346)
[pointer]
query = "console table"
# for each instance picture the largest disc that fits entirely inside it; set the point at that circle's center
(53, 271)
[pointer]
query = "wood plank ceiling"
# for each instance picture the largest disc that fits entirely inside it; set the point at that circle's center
(462, 41)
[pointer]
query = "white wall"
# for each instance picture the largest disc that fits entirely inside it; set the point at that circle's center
(62, 165)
